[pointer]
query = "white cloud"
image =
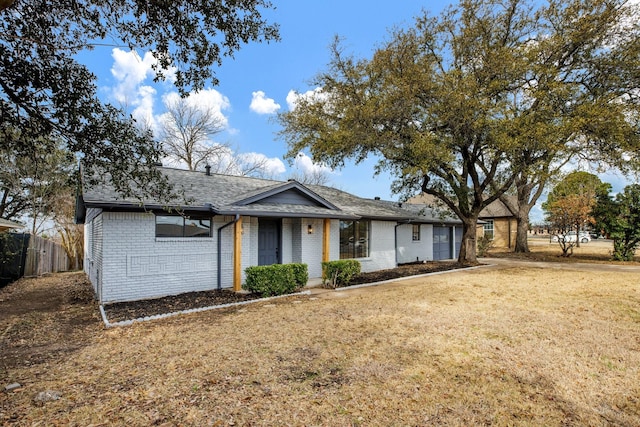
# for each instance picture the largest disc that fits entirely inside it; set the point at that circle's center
(209, 99)
(270, 166)
(143, 113)
(262, 105)
(230, 162)
(305, 164)
(294, 97)
(130, 71)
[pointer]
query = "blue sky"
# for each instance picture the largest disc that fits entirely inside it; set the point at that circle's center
(256, 82)
(265, 74)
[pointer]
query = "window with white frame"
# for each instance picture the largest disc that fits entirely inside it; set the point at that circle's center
(488, 228)
(415, 233)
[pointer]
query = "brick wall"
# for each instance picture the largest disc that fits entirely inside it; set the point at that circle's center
(137, 265)
(127, 262)
(288, 245)
(410, 250)
(311, 246)
(301, 247)
(334, 242)
(93, 254)
(382, 254)
(504, 232)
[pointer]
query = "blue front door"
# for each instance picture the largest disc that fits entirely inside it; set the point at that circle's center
(268, 241)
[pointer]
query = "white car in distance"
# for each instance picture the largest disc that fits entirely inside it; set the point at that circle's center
(570, 237)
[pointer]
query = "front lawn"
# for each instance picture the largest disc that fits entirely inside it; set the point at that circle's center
(499, 346)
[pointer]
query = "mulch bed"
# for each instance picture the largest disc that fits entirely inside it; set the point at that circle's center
(123, 311)
(405, 270)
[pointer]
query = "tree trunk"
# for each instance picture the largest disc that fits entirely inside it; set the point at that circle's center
(522, 236)
(527, 195)
(522, 230)
(467, 253)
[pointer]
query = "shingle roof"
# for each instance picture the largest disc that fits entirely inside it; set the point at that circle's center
(6, 224)
(227, 194)
(497, 209)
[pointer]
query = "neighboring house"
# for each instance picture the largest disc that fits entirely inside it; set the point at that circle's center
(495, 220)
(137, 250)
(500, 224)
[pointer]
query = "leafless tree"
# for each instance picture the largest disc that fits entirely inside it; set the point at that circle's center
(70, 234)
(186, 131)
(230, 162)
(311, 177)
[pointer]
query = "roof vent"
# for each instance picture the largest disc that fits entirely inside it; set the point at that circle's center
(376, 198)
(207, 170)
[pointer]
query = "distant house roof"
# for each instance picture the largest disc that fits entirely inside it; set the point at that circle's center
(5, 225)
(230, 195)
(428, 214)
(498, 209)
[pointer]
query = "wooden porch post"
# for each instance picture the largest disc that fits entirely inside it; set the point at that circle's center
(326, 230)
(237, 256)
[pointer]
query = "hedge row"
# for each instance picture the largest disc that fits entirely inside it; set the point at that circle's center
(281, 279)
(276, 279)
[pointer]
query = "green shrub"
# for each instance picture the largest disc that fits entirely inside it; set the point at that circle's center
(270, 280)
(485, 243)
(301, 274)
(339, 273)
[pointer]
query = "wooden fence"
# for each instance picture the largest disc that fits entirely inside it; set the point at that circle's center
(45, 256)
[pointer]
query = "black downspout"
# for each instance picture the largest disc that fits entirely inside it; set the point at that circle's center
(220, 249)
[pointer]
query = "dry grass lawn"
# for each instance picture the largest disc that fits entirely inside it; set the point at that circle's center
(514, 345)
(543, 249)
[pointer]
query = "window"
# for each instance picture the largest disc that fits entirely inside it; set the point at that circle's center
(488, 228)
(183, 226)
(354, 239)
(415, 234)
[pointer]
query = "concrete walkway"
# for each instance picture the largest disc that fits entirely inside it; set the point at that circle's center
(583, 266)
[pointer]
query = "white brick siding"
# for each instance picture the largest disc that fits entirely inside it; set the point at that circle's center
(93, 250)
(226, 257)
(382, 254)
(126, 262)
(288, 245)
(410, 250)
(137, 265)
(310, 246)
(249, 244)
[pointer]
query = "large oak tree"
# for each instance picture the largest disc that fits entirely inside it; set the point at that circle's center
(44, 90)
(463, 105)
(585, 103)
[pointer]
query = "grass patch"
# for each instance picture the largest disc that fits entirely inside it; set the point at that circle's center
(501, 346)
(543, 249)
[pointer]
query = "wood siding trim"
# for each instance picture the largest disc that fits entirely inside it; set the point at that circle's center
(326, 239)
